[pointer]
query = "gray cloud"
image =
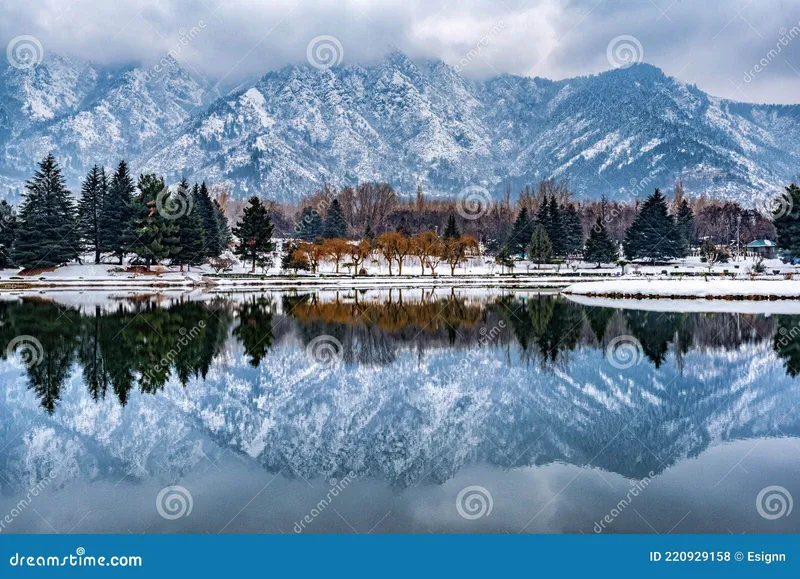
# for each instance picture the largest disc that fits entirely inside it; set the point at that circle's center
(717, 47)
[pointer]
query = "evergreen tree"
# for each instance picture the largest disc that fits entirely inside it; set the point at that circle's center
(90, 208)
(208, 217)
(684, 219)
(573, 230)
(600, 248)
(504, 259)
(550, 218)
(47, 232)
(540, 248)
(254, 232)
(8, 233)
(335, 224)
(224, 236)
(654, 235)
(116, 213)
(292, 260)
(311, 226)
(787, 223)
(255, 328)
(151, 236)
(520, 233)
(191, 235)
(451, 229)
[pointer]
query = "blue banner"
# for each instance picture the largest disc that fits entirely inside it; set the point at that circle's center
(401, 555)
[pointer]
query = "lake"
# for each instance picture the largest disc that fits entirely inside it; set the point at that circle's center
(393, 411)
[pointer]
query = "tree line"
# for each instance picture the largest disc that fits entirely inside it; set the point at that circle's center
(115, 217)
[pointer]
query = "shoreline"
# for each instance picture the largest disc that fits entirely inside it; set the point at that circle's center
(752, 290)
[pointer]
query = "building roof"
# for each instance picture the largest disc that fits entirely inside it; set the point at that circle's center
(762, 243)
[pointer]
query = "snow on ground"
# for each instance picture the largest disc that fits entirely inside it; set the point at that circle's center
(689, 288)
(476, 272)
(761, 307)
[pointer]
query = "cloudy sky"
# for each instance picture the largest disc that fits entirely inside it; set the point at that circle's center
(716, 44)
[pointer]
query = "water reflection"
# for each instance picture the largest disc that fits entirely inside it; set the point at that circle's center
(431, 385)
(140, 343)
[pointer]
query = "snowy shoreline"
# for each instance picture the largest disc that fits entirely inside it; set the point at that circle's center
(689, 289)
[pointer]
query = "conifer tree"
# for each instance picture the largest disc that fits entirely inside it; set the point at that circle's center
(224, 236)
(47, 233)
(550, 218)
(520, 234)
(152, 236)
(540, 249)
(311, 225)
(787, 223)
(191, 235)
(116, 213)
(8, 233)
(335, 223)
(600, 248)
(254, 233)
(90, 208)
(573, 231)
(451, 229)
(208, 216)
(684, 219)
(654, 235)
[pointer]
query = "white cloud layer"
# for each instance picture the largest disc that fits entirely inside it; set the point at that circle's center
(714, 45)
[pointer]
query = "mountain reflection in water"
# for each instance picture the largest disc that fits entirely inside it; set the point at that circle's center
(429, 384)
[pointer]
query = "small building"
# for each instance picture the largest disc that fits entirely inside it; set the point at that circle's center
(763, 247)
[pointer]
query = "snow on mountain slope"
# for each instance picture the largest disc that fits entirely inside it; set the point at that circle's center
(619, 133)
(409, 423)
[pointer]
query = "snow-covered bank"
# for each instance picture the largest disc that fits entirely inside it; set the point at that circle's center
(705, 306)
(738, 289)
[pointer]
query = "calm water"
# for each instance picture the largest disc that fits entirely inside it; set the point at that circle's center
(443, 411)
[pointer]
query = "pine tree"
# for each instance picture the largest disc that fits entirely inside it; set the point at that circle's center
(520, 233)
(116, 213)
(291, 260)
(151, 236)
(191, 235)
(600, 248)
(553, 225)
(451, 229)
(48, 233)
(254, 232)
(90, 207)
(208, 216)
(335, 224)
(654, 235)
(504, 259)
(684, 219)
(224, 236)
(573, 230)
(8, 233)
(540, 249)
(787, 223)
(311, 226)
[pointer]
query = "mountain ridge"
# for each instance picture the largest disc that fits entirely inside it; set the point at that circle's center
(620, 133)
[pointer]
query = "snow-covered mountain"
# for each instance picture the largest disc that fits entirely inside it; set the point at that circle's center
(621, 133)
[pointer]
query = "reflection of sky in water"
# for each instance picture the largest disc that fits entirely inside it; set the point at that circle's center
(414, 429)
